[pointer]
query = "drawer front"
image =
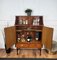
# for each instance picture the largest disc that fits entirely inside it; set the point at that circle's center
(22, 45)
(38, 45)
(31, 45)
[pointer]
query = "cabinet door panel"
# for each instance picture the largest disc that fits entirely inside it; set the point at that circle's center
(47, 35)
(10, 36)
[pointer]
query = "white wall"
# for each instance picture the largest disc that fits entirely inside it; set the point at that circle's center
(10, 8)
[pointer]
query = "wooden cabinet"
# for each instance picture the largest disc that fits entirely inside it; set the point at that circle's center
(29, 32)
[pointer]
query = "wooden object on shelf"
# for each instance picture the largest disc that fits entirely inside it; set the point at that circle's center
(27, 28)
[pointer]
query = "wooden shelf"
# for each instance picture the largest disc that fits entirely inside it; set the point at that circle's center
(33, 41)
(21, 25)
(29, 30)
(28, 25)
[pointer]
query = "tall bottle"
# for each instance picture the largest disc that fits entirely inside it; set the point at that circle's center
(29, 37)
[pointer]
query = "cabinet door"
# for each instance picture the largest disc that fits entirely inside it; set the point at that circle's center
(10, 36)
(47, 35)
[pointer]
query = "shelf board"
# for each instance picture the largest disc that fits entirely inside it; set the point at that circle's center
(29, 30)
(18, 30)
(34, 41)
(27, 25)
(22, 25)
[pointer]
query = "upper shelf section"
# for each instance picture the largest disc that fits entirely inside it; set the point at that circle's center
(29, 20)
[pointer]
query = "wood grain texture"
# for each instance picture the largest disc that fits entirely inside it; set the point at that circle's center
(26, 53)
(47, 36)
(28, 45)
(10, 36)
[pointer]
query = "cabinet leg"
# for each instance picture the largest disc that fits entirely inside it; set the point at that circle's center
(40, 52)
(17, 51)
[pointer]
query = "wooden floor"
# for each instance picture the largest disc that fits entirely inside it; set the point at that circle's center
(26, 53)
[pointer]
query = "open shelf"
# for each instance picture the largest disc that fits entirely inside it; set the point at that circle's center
(33, 41)
(31, 25)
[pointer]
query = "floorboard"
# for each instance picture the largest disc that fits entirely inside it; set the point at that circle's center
(26, 53)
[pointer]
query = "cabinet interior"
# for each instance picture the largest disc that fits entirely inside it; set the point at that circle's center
(28, 28)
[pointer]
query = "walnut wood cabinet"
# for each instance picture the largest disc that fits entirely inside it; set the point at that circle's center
(28, 32)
